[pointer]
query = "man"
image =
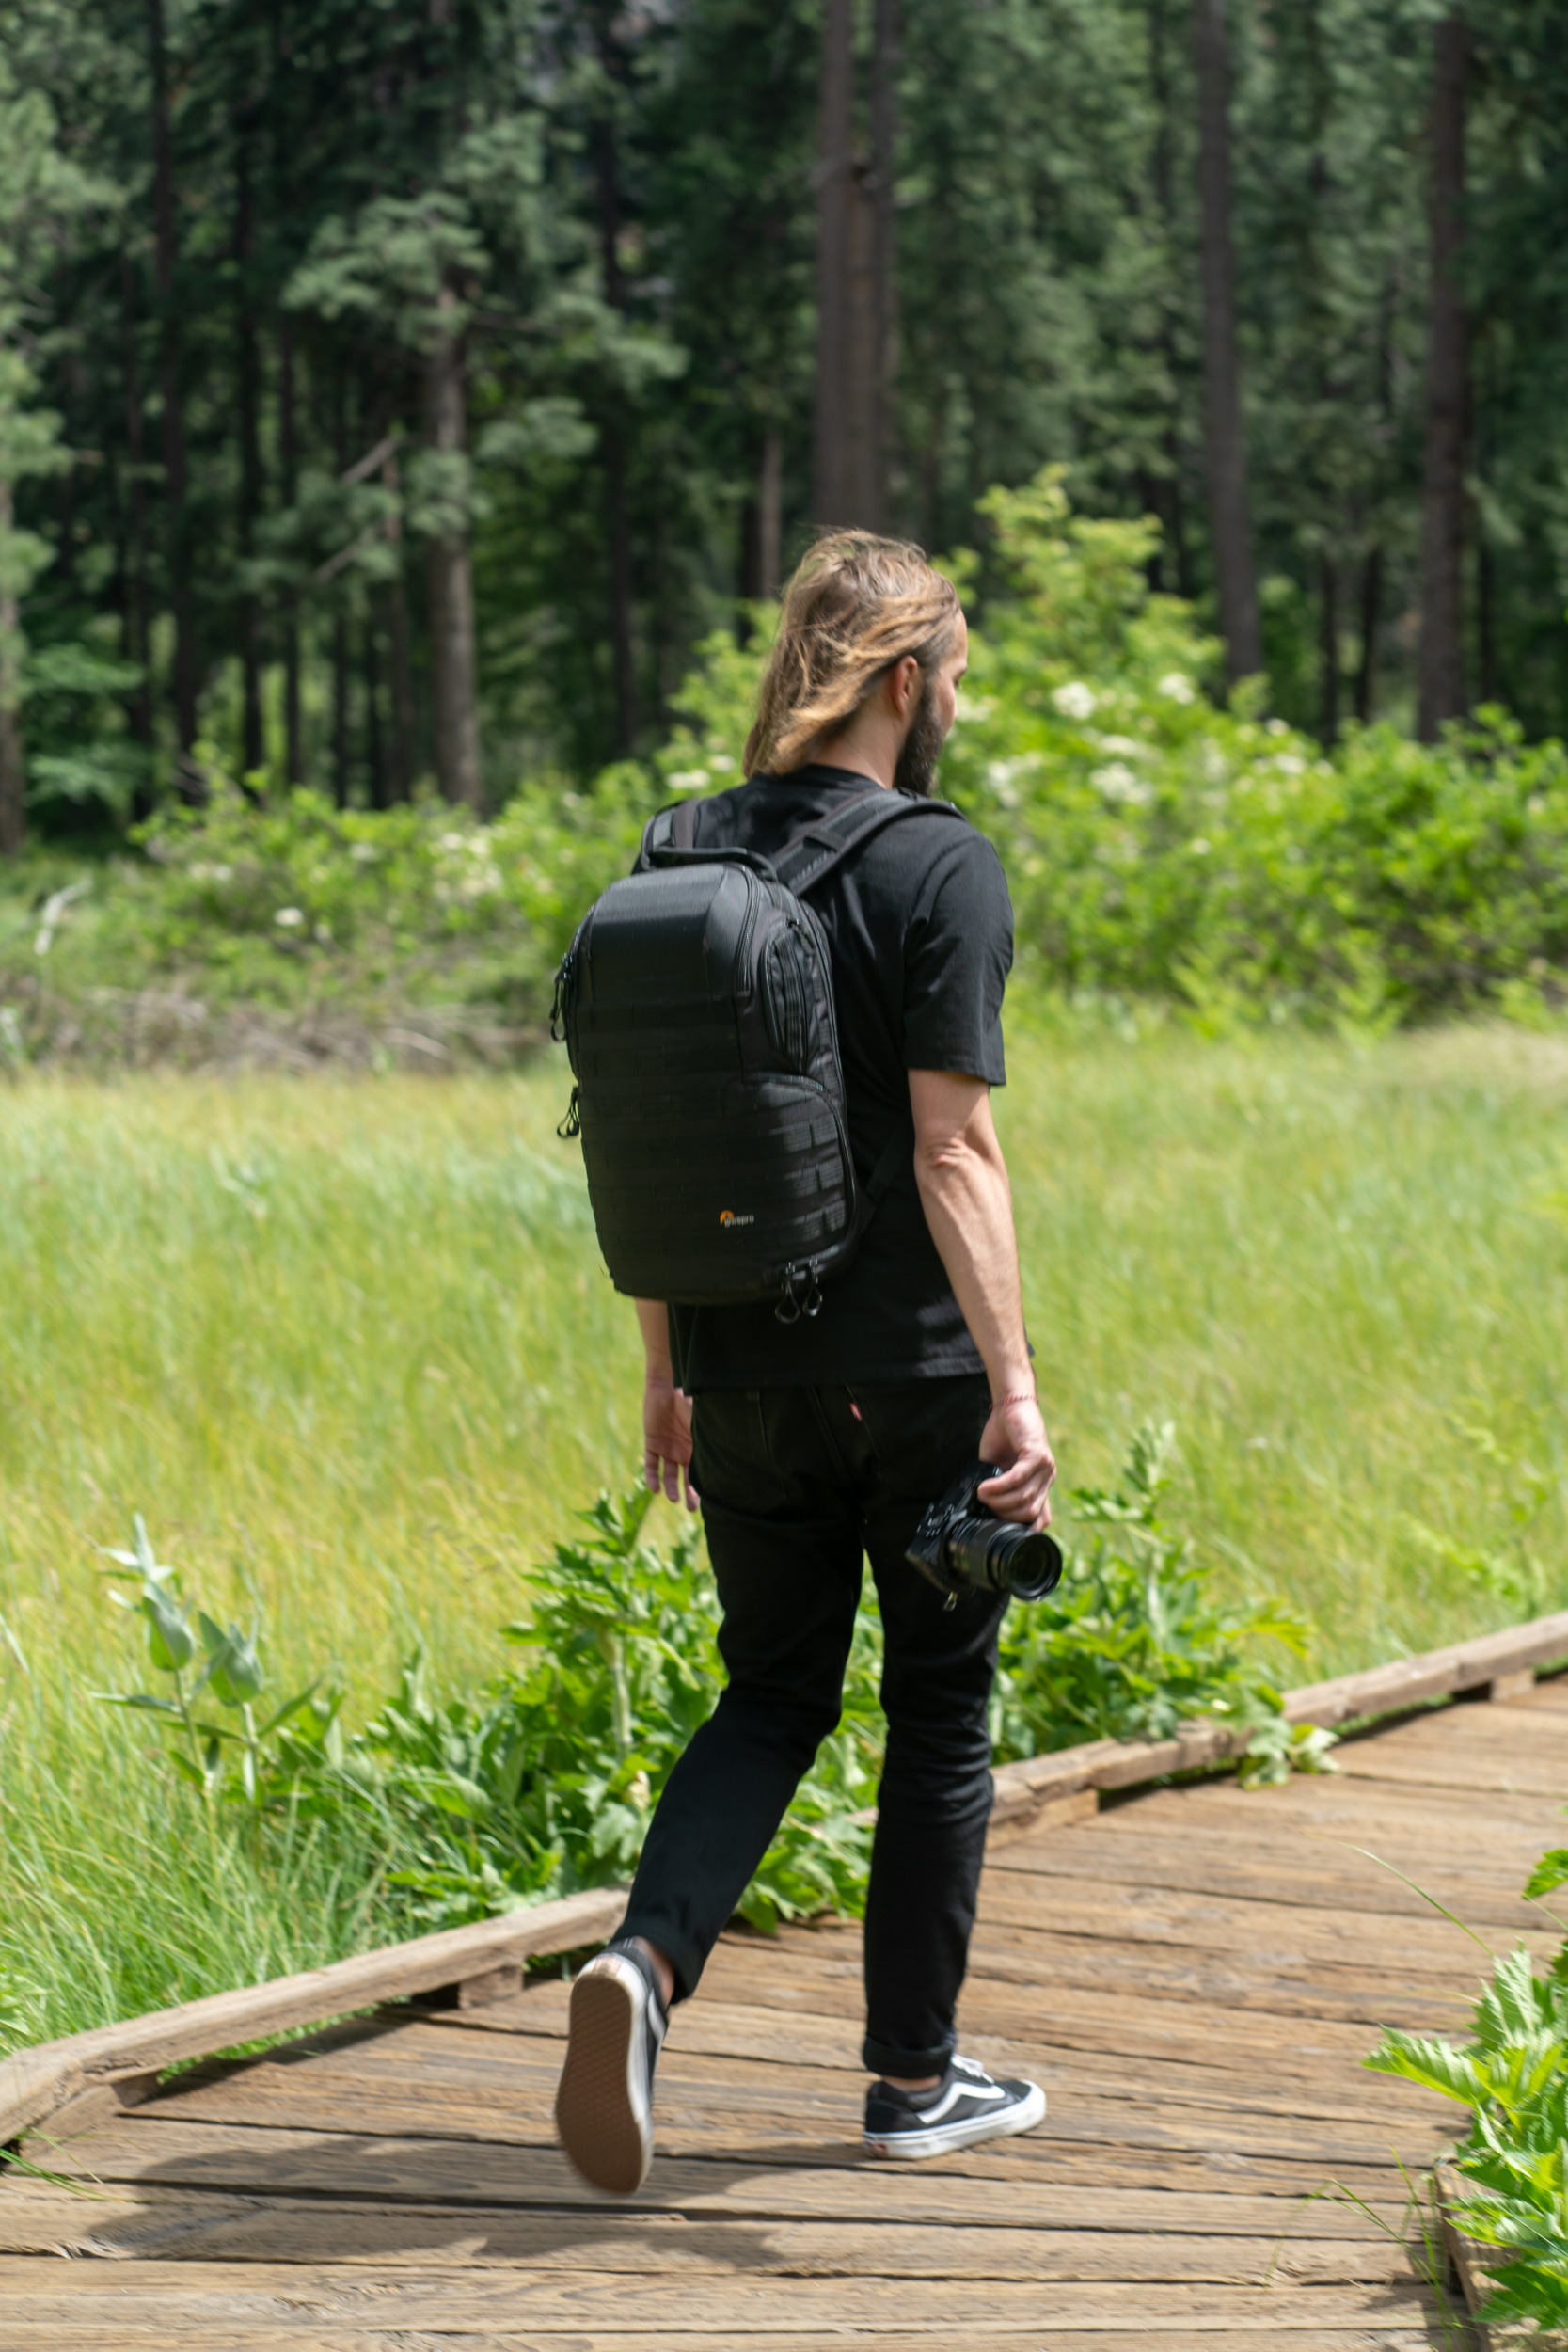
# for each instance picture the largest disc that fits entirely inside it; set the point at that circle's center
(813, 1442)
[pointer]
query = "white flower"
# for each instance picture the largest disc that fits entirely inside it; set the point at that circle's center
(1075, 700)
(1175, 686)
(289, 919)
(364, 853)
(1117, 782)
(690, 779)
(723, 761)
(1289, 765)
(1200, 848)
(453, 841)
(1121, 743)
(1277, 727)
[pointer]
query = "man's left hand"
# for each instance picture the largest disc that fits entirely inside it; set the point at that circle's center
(667, 1441)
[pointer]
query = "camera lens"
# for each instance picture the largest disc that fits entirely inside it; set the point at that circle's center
(1007, 1558)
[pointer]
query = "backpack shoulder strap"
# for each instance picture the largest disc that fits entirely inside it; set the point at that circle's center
(672, 827)
(811, 856)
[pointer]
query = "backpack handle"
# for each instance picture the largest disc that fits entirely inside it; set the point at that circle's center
(664, 855)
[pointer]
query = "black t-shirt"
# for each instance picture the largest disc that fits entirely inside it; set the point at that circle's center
(921, 930)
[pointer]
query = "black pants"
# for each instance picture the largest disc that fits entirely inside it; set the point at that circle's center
(794, 1484)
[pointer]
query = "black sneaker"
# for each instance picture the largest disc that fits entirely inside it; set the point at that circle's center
(604, 2105)
(965, 2107)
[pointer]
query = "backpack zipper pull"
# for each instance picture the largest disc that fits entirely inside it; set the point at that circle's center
(572, 1124)
(562, 980)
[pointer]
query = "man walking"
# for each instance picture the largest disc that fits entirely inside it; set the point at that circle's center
(815, 1442)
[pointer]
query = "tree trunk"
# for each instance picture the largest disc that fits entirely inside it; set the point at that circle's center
(854, 274)
(613, 441)
(288, 459)
(137, 628)
(174, 420)
(1486, 622)
(832, 488)
(13, 780)
(249, 389)
(1371, 618)
(1224, 436)
(1328, 650)
(451, 581)
(769, 533)
(400, 758)
(375, 740)
(1440, 694)
(884, 248)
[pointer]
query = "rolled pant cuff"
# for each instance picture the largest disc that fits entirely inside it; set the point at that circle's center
(686, 1962)
(882, 2058)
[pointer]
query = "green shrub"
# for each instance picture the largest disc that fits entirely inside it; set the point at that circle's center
(1514, 2078)
(1131, 1644)
(541, 1782)
(1158, 846)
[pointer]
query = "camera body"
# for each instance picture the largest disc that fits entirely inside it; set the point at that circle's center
(960, 1544)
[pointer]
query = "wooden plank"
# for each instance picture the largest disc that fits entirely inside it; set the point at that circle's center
(313, 2336)
(125, 2224)
(183, 2296)
(1330, 1812)
(1352, 1884)
(1430, 1947)
(1382, 1689)
(266, 2159)
(706, 2115)
(33, 2083)
(614, 2240)
(513, 2076)
(1203, 2033)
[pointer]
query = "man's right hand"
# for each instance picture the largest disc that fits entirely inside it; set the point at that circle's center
(1014, 1438)
(667, 1441)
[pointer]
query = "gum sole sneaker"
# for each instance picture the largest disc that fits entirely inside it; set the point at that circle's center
(604, 2105)
(966, 2107)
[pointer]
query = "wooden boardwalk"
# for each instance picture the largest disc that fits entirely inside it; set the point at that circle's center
(1193, 1974)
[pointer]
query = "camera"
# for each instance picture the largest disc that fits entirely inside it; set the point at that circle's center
(960, 1543)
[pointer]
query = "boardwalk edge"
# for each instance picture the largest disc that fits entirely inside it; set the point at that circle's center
(483, 1963)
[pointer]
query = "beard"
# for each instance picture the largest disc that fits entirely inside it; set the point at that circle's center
(916, 770)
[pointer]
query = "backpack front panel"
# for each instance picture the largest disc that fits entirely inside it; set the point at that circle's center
(699, 1013)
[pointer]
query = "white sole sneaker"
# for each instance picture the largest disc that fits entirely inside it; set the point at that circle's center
(604, 2105)
(908, 2142)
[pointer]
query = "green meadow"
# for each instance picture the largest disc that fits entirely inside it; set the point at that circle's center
(348, 1347)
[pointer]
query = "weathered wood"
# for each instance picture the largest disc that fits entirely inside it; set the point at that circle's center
(34, 2083)
(280, 2160)
(615, 2239)
(459, 2082)
(180, 2296)
(1022, 1813)
(1471, 2262)
(1350, 1881)
(1504, 1689)
(1409, 1681)
(37, 2217)
(54, 2335)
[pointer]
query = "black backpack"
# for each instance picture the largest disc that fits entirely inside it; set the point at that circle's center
(696, 1002)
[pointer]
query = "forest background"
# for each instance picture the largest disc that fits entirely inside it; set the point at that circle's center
(401, 391)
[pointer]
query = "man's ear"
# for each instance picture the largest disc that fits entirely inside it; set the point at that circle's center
(906, 683)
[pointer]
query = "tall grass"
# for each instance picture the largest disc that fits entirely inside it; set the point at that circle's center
(349, 1346)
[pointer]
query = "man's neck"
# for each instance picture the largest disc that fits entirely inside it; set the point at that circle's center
(867, 748)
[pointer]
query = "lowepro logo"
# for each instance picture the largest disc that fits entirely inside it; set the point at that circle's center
(728, 1217)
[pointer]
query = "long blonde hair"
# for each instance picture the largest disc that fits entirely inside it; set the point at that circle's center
(856, 604)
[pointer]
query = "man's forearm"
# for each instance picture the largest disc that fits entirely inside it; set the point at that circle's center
(969, 1208)
(653, 1318)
